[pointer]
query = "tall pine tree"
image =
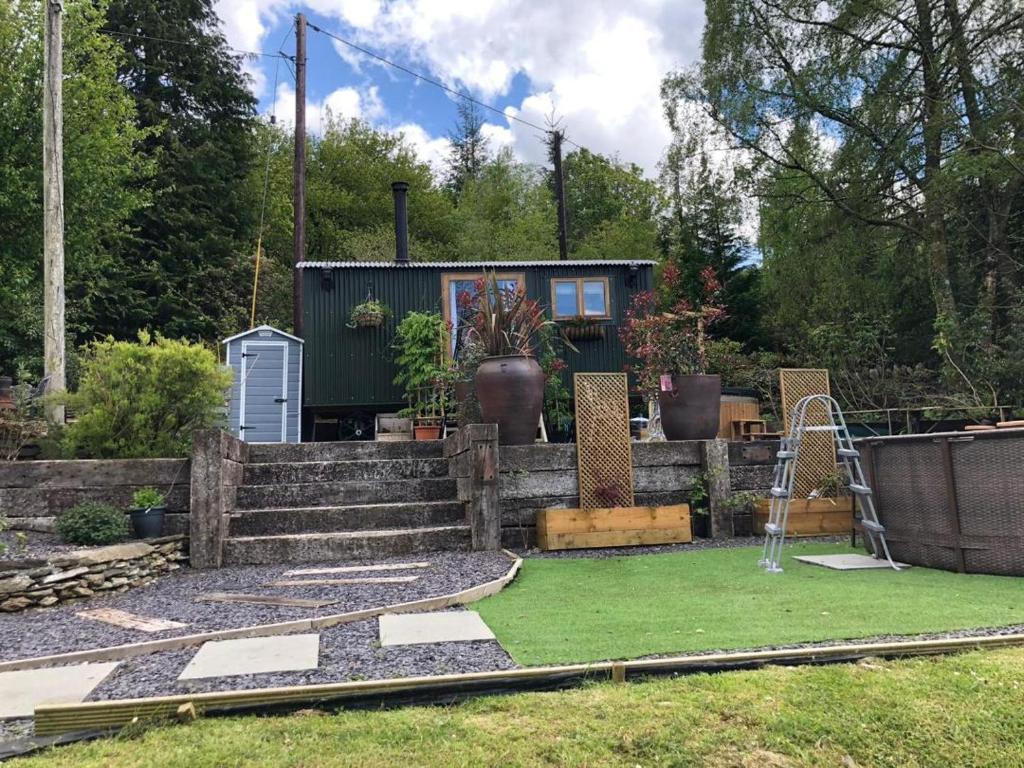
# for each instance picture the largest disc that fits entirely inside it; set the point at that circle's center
(469, 151)
(191, 245)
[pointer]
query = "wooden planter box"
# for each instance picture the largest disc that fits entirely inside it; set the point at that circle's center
(811, 517)
(619, 527)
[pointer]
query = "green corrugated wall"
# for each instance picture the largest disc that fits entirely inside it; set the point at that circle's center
(354, 367)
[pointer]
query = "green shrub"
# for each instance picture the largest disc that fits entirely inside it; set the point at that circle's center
(145, 399)
(93, 524)
(419, 342)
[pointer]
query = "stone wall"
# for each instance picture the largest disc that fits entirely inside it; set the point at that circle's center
(33, 494)
(75, 575)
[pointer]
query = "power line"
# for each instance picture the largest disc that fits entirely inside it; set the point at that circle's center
(191, 43)
(433, 82)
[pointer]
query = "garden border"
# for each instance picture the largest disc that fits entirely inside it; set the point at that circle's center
(53, 719)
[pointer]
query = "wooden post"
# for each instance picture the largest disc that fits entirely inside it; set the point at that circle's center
(217, 463)
(714, 456)
(299, 172)
(556, 157)
(53, 205)
(484, 504)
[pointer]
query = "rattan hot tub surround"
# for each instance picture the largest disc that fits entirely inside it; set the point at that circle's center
(953, 501)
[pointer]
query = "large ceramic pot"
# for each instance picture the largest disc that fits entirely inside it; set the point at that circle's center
(690, 410)
(511, 394)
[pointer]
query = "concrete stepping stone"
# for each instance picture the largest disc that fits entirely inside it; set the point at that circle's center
(254, 656)
(356, 569)
(290, 602)
(22, 691)
(441, 627)
(129, 620)
(847, 562)
(342, 582)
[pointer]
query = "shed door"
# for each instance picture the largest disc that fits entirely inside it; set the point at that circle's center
(264, 392)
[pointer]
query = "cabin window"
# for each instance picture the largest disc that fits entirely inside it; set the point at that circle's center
(580, 297)
(460, 293)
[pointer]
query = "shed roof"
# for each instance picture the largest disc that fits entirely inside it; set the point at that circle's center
(263, 328)
(470, 264)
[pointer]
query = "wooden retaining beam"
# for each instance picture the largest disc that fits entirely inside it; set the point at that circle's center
(63, 718)
(117, 652)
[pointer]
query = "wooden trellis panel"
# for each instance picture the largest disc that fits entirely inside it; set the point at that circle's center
(604, 451)
(818, 449)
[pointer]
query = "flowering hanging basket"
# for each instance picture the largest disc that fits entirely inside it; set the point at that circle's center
(369, 314)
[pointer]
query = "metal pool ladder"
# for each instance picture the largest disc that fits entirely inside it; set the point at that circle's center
(785, 475)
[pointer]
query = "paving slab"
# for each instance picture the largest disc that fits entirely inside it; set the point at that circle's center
(847, 562)
(356, 569)
(253, 656)
(129, 620)
(289, 602)
(22, 691)
(343, 582)
(441, 627)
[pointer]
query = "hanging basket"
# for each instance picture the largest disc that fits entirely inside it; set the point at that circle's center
(369, 321)
(583, 331)
(369, 314)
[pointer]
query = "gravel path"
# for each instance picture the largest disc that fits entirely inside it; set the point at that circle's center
(47, 631)
(347, 652)
(660, 549)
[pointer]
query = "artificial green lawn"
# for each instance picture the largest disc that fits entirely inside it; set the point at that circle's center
(963, 711)
(577, 610)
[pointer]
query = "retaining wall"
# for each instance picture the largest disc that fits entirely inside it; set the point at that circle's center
(33, 494)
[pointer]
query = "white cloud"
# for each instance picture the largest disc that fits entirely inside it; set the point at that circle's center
(340, 104)
(598, 66)
(430, 149)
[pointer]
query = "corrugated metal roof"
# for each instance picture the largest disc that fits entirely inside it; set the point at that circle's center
(468, 264)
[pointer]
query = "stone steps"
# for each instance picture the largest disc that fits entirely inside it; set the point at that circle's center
(290, 473)
(271, 522)
(341, 545)
(266, 453)
(350, 493)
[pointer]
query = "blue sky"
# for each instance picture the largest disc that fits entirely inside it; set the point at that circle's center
(597, 65)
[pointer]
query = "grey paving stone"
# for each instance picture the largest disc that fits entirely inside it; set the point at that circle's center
(442, 627)
(22, 691)
(253, 656)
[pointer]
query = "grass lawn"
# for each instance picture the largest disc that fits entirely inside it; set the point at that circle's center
(563, 611)
(959, 711)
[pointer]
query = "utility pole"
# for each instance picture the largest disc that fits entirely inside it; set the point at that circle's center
(299, 169)
(53, 205)
(556, 157)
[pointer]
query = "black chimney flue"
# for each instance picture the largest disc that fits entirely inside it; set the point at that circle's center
(399, 190)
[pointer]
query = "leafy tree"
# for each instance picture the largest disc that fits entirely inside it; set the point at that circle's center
(507, 212)
(191, 247)
(612, 210)
(912, 108)
(469, 150)
(100, 171)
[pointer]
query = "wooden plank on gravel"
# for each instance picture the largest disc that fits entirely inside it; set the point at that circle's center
(129, 620)
(356, 569)
(234, 597)
(343, 582)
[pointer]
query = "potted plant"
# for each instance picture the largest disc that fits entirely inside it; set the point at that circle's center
(582, 329)
(148, 513)
(369, 314)
(669, 345)
(509, 381)
(423, 372)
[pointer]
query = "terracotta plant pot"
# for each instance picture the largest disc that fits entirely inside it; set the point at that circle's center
(511, 394)
(690, 411)
(427, 433)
